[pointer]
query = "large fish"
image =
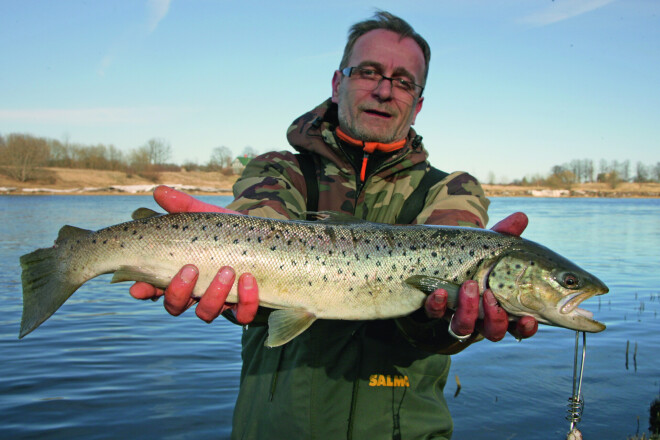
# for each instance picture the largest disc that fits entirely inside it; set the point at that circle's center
(330, 269)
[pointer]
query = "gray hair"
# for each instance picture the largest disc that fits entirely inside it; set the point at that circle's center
(385, 20)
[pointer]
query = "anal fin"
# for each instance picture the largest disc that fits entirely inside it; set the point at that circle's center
(136, 273)
(284, 325)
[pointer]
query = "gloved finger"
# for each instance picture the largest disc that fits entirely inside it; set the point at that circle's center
(436, 304)
(496, 320)
(178, 293)
(173, 200)
(524, 327)
(248, 299)
(214, 300)
(144, 291)
(514, 224)
(467, 309)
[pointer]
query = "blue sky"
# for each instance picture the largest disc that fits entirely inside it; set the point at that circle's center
(515, 86)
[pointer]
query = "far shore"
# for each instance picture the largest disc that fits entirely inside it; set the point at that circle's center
(58, 181)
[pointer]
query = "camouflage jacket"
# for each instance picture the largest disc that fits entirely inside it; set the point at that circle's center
(272, 185)
(349, 379)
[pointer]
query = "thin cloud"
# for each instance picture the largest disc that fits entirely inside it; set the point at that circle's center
(156, 11)
(93, 116)
(560, 10)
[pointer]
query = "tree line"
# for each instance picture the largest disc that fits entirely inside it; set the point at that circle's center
(21, 155)
(611, 172)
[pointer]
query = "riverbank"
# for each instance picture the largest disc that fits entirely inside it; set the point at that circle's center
(79, 181)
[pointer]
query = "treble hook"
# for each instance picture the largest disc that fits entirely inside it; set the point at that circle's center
(575, 402)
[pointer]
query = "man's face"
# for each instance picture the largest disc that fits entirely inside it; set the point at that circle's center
(379, 112)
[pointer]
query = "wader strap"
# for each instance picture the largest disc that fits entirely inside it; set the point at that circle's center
(414, 204)
(308, 167)
(411, 208)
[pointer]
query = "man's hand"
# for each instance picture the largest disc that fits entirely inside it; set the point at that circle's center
(496, 321)
(178, 295)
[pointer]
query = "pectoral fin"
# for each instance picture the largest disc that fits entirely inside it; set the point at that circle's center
(284, 325)
(429, 285)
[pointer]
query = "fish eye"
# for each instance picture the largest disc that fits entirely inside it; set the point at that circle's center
(570, 281)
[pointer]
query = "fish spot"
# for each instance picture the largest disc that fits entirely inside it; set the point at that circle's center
(192, 241)
(184, 228)
(501, 285)
(94, 241)
(125, 228)
(134, 232)
(204, 228)
(235, 241)
(435, 272)
(219, 224)
(215, 237)
(273, 248)
(434, 254)
(105, 241)
(175, 226)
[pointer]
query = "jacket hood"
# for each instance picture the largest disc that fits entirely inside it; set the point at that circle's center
(314, 132)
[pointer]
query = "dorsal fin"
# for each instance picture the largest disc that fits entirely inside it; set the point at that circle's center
(68, 232)
(143, 213)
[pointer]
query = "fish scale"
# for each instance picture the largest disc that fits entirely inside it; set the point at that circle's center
(332, 269)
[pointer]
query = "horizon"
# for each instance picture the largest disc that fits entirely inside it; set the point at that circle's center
(513, 88)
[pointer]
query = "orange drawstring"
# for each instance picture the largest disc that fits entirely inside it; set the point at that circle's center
(369, 147)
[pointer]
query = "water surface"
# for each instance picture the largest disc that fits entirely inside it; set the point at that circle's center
(107, 366)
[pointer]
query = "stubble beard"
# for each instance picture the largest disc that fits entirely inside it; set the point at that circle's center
(364, 134)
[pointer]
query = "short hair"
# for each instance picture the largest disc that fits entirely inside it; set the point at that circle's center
(385, 20)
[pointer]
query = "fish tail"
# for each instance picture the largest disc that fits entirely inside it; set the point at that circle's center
(45, 287)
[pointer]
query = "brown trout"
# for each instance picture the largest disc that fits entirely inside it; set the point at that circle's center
(308, 270)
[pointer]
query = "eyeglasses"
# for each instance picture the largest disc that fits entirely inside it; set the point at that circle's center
(398, 83)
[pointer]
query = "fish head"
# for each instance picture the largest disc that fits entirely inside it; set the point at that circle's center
(547, 286)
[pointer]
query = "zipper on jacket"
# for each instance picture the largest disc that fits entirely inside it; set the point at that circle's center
(273, 383)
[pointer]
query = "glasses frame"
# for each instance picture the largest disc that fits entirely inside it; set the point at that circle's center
(348, 71)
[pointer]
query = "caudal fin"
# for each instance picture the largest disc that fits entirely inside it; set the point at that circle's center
(45, 287)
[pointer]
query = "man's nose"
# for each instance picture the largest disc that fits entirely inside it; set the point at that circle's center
(384, 89)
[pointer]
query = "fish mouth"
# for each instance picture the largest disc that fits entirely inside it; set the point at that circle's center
(569, 306)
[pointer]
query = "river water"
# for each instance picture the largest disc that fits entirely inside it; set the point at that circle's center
(106, 366)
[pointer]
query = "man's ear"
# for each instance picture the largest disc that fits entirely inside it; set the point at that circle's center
(418, 108)
(336, 80)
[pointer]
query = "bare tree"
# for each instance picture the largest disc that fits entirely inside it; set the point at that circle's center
(249, 151)
(22, 154)
(159, 150)
(140, 159)
(220, 158)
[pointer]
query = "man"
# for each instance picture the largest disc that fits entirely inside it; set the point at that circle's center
(352, 379)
